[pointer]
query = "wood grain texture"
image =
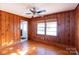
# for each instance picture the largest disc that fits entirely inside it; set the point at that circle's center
(65, 29)
(33, 48)
(9, 28)
(77, 27)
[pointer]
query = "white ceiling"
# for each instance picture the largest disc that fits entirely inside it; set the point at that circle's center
(22, 8)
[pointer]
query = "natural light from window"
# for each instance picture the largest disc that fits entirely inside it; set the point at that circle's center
(51, 28)
(47, 28)
(40, 28)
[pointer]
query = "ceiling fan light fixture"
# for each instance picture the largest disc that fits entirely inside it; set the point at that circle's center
(35, 13)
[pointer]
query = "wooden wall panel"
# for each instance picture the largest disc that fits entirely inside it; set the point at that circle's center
(7, 26)
(65, 22)
(72, 28)
(77, 27)
(10, 28)
(3, 29)
(16, 28)
(67, 29)
(61, 28)
(0, 30)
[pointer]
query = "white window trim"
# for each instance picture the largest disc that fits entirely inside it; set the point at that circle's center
(45, 32)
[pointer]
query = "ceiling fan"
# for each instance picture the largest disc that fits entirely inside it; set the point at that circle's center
(34, 11)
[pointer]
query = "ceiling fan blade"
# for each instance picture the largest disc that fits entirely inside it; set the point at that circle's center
(28, 13)
(31, 10)
(41, 11)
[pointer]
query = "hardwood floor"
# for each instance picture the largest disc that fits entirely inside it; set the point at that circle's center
(32, 48)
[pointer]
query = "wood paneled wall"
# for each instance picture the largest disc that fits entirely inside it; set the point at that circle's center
(77, 27)
(65, 29)
(9, 28)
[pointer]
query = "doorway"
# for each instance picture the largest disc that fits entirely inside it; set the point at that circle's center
(24, 30)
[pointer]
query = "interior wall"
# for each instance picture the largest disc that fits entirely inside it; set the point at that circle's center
(77, 27)
(65, 29)
(9, 28)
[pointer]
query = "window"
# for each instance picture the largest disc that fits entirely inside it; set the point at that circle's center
(47, 28)
(40, 28)
(51, 28)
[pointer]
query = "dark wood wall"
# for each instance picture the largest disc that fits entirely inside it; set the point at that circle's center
(65, 29)
(77, 27)
(9, 28)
